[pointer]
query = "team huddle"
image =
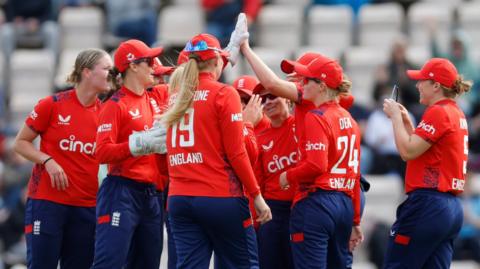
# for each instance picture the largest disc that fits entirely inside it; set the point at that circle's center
(264, 173)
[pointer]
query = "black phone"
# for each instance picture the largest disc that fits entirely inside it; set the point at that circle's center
(395, 93)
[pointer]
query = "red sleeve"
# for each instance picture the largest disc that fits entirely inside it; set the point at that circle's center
(263, 124)
(259, 175)
(250, 143)
(231, 126)
(433, 125)
(252, 8)
(108, 151)
(315, 162)
(38, 120)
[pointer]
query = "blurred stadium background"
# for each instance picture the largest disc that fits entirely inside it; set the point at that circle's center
(374, 40)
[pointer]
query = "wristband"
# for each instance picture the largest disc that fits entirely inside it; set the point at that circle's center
(48, 159)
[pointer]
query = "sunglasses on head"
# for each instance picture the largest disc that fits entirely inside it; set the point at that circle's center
(267, 96)
(200, 46)
(316, 80)
(148, 61)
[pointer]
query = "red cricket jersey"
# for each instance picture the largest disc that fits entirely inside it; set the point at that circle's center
(67, 130)
(250, 143)
(124, 113)
(332, 154)
(206, 149)
(444, 165)
(159, 100)
(278, 151)
(302, 107)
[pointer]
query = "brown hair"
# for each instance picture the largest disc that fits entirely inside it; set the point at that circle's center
(85, 59)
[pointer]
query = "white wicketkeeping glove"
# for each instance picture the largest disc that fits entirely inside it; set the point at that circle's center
(238, 36)
(147, 142)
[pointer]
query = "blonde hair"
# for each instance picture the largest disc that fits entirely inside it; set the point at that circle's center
(85, 59)
(459, 87)
(342, 89)
(176, 79)
(188, 85)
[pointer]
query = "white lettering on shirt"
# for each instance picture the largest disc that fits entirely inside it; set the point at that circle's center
(73, 145)
(458, 184)
(315, 146)
(282, 162)
(200, 95)
(345, 123)
(426, 127)
(342, 183)
(185, 158)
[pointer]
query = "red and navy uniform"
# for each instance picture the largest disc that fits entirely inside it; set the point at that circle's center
(208, 169)
(329, 180)
(278, 151)
(431, 217)
(158, 99)
(128, 210)
(60, 224)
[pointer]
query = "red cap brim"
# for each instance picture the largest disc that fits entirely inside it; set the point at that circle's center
(303, 71)
(259, 89)
(154, 52)
(163, 70)
(415, 75)
(287, 66)
(247, 92)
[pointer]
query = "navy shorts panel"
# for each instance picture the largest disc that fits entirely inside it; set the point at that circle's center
(422, 236)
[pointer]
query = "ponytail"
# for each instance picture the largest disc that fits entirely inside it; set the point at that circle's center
(176, 79)
(459, 87)
(188, 85)
(342, 90)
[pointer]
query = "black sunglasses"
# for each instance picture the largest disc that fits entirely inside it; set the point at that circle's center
(148, 61)
(267, 96)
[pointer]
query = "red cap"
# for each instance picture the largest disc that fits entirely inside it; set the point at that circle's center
(159, 69)
(132, 50)
(205, 46)
(346, 101)
(324, 69)
(248, 84)
(288, 66)
(437, 69)
(182, 57)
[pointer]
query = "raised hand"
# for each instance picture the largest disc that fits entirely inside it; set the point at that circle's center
(238, 36)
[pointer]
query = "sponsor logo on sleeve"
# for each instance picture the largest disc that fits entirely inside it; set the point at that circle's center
(315, 146)
(106, 127)
(426, 127)
(33, 115)
(237, 117)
